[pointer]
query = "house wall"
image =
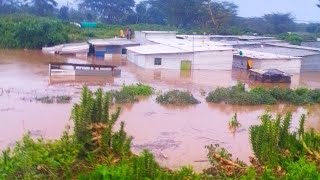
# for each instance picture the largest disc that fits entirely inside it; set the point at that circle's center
(138, 59)
(310, 63)
(214, 60)
(169, 61)
(290, 66)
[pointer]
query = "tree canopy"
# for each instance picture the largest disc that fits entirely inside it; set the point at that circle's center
(219, 17)
(109, 11)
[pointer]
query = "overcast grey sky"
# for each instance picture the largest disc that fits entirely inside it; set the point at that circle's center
(302, 9)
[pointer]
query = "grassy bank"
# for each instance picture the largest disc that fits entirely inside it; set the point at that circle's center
(260, 95)
(97, 149)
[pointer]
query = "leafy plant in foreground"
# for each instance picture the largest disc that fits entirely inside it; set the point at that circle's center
(94, 124)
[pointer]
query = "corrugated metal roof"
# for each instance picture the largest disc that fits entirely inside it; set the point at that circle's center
(160, 32)
(116, 41)
(294, 46)
(197, 45)
(269, 72)
(262, 55)
(156, 49)
(243, 37)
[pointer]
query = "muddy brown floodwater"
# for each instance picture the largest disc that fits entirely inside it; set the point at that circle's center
(177, 136)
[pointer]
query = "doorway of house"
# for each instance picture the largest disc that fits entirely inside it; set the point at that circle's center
(249, 63)
(185, 65)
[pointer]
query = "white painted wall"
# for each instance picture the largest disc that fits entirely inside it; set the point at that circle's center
(290, 66)
(214, 60)
(169, 61)
(137, 59)
(310, 64)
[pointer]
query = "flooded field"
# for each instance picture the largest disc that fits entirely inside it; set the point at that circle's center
(177, 136)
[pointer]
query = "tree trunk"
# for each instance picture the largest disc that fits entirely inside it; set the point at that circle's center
(215, 24)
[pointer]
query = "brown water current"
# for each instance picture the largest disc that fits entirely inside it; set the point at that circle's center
(176, 135)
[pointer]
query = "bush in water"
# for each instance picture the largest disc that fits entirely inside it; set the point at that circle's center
(177, 97)
(130, 93)
(260, 95)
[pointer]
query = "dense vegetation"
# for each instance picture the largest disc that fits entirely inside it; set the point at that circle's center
(21, 31)
(279, 152)
(260, 95)
(176, 97)
(25, 31)
(96, 149)
(218, 17)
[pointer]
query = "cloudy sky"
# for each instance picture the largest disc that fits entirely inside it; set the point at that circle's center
(304, 10)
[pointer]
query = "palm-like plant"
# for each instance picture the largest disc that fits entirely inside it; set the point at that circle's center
(93, 124)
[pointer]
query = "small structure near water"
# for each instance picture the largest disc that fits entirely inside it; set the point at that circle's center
(83, 69)
(269, 76)
(104, 48)
(247, 59)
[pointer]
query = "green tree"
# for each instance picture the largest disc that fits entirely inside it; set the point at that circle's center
(43, 7)
(9, 6)
(111, 11)
(221, 13)
(180, 13)
(146, 13)
(64, 13)
(280, 23)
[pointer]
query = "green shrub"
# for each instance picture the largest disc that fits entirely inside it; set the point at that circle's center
(218, 95)
(301, 169)
(130, 93)
(25, 31)
(260, 95)
(39, 159)
(140, 167)
(63, 99)
(294, 39)
(177, 97)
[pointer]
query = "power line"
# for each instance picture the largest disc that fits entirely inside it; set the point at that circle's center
(306, 21)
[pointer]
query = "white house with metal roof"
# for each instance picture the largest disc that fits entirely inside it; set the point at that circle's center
(310, 57)
(170, 53)
(248, 59)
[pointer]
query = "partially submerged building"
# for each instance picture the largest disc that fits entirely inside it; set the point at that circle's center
(176, 53)
(309, 57)
(247, 59)
(104, 48)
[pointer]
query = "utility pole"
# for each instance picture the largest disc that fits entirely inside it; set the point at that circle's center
(194, 33)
